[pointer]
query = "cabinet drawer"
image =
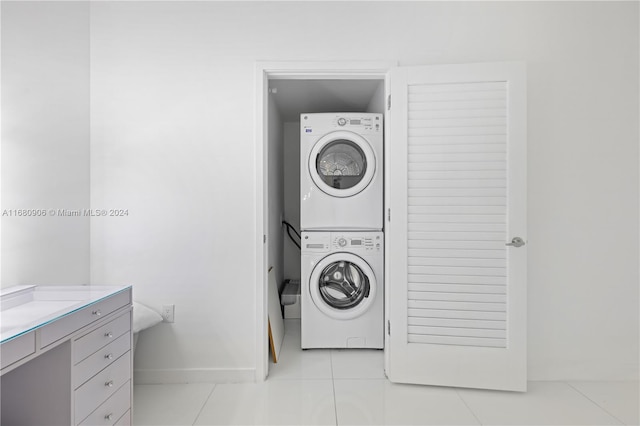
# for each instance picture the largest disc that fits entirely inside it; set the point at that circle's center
(15, 349)
(101, 359)
(98, 338)
(113, 410)
(102, 386)
(83, 317)
(125, 420)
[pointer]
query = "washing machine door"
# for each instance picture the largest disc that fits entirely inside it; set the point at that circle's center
(342, 163)
(343, 286)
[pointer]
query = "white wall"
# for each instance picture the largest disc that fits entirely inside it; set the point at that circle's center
(292, 196)
(172, 140)
(377, 103)
(275, 196)
(45, 141)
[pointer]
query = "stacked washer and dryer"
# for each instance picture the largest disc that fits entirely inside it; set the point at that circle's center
(341, 217)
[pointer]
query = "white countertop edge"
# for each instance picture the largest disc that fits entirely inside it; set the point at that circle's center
(94, 295)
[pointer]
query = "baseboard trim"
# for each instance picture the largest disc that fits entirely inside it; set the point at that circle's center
(194, 375)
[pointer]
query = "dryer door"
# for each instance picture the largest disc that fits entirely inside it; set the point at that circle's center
(342, 164)
(343, 286)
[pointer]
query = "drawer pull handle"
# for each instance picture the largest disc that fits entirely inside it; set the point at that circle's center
(109, 384)
(97, 312)
(109, 356)
(108, 416)
(108, 334)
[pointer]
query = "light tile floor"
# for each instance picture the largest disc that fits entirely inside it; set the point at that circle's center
(348, 387)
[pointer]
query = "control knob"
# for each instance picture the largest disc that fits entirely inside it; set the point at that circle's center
(342, 242)
(342, 121)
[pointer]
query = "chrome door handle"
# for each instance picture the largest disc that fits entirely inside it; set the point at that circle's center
(516, 242)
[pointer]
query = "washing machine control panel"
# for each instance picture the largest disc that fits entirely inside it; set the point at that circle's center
(316, 242)
(363, 242)
(357, 241)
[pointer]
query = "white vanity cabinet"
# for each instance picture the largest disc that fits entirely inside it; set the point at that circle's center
(66, 355)
(102, 368)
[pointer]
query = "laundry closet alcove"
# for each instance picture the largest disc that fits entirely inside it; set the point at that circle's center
(454, 210)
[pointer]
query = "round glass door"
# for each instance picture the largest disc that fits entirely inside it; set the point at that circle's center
(343, 286)
(342, 164)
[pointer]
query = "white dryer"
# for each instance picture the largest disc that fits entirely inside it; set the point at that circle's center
(342, 297)
(341, 178)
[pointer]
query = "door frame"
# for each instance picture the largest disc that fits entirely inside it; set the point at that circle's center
(287, 70)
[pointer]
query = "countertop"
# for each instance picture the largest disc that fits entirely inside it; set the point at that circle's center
(26, 308)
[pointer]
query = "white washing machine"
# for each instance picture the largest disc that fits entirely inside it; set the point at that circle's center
(342, 297)
(341, 178)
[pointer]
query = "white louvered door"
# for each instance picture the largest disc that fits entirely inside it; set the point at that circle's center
(456, 190)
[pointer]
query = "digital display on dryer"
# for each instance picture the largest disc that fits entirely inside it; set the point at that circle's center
(356, 242)
(354, 122)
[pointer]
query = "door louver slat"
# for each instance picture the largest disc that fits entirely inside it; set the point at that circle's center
(457, 193)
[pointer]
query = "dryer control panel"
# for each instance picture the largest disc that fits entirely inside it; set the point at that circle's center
(360, 242)
(362, 123)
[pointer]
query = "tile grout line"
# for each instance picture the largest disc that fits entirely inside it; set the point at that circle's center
(333, 384)
(204, 405)
(293, 379)
(594, 402)
(468, 408)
